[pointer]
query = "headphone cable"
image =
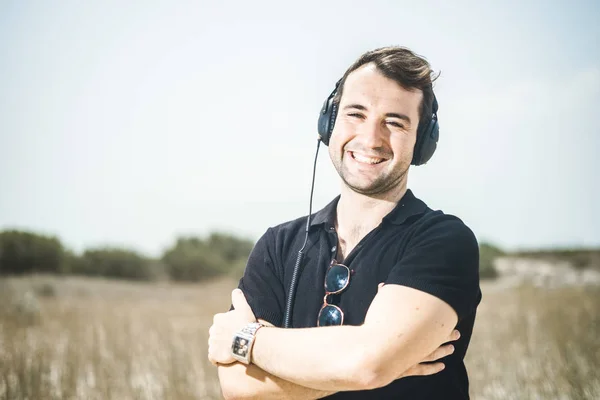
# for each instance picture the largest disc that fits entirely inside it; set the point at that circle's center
(290, 301)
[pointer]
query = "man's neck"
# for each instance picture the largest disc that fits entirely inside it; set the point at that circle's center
(358, 214)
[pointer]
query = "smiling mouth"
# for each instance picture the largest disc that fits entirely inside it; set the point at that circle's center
(361, 158)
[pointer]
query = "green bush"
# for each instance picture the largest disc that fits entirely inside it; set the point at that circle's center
(232, 249)
(71, 264)
(115, 263)
(24, 252)
(195, 259)
(487, 254)
(191, 259)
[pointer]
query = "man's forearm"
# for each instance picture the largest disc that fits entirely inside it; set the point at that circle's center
(239, 381)
(326, 358)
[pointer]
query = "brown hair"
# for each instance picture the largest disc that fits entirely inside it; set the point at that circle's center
(403, 66)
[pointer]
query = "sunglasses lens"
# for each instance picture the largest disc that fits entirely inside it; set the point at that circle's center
(330, 315)
(337, 278)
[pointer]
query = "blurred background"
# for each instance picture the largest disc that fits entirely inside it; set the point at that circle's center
(145, 147)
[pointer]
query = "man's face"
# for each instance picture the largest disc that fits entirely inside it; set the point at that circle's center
(375, 132)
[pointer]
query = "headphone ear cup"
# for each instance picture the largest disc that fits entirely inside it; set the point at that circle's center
(327, 120)
(327, 116)
(426, 143)
(324, 122)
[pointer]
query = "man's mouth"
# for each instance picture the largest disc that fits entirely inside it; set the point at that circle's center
(365, 159)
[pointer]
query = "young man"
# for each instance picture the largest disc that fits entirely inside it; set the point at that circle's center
(351, 337)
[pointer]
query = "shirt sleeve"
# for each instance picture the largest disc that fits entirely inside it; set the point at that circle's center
(262, 284)
(442, 259)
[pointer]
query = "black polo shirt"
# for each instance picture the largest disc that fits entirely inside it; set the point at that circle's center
(413, 246)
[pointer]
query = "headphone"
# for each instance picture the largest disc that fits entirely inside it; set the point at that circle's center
(428, 131)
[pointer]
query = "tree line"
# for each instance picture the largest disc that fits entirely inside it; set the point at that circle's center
(188, 259)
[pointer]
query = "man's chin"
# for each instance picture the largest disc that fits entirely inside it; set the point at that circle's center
(377, 187)
(367, 189)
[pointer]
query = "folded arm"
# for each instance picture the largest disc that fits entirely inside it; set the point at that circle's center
(401, 327)
(239, 381)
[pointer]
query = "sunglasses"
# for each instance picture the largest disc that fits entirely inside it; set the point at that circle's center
(337, 279)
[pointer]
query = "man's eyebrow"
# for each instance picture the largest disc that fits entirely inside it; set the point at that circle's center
(357, 106)
(392, 115)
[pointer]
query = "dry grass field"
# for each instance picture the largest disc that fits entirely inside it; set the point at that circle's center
(79, 338)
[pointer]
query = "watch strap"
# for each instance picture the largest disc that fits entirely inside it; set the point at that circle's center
(252, 328)
(248, 333)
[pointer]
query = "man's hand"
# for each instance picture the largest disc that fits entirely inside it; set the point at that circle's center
(433, 368)
(225, 325)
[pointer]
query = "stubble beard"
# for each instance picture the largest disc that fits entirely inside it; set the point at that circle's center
(383, 184)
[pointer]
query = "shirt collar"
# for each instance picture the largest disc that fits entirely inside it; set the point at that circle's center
(408, 206)
(326, 215)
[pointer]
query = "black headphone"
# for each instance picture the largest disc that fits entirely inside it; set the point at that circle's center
(428, 132)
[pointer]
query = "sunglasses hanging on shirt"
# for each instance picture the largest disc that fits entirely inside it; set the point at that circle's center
(337, 279)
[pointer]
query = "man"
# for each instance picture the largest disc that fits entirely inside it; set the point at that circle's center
(375, 232)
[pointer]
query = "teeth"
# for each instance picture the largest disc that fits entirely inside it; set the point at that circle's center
(367, 160)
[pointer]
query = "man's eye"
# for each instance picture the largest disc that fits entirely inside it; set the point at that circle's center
(355, 115)
(395, 124)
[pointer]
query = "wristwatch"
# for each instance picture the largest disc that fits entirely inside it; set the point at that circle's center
(241, 348)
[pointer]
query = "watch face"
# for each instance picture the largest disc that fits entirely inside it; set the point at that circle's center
(240, 346)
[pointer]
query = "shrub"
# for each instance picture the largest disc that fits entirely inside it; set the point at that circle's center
(232, 249)
(191, 259)
(115, 263)
(25, 252)
(487, 254)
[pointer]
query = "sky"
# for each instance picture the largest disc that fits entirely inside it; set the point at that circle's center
(132, 123)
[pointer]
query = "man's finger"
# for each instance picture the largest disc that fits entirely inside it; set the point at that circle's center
(425, 369)
(454, 335)
(440, 352)
(239, 301)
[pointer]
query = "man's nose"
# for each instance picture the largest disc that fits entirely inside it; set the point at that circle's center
(371, 134)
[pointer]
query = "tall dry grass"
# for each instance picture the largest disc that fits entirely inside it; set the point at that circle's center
(110, 340)
(97, 339)
(535, 343)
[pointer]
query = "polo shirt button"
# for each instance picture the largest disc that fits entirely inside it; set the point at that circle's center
(333, 249)
(332, 228)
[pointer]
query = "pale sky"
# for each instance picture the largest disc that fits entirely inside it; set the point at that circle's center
(129, 123)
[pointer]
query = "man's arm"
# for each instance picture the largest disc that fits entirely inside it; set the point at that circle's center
(402, 326)
(239, 381)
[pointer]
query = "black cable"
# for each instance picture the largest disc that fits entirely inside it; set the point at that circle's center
(290, 300)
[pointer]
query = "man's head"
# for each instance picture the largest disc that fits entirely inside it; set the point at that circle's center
(382, 98)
